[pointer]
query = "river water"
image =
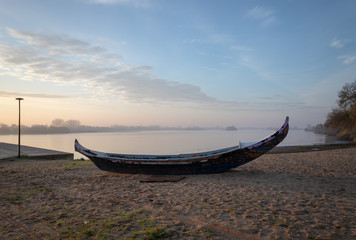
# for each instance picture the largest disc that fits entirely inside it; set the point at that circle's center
(161, 142)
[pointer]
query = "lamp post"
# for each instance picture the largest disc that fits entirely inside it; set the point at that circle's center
(19, 143)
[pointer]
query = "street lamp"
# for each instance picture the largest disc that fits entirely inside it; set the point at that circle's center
(19, 143)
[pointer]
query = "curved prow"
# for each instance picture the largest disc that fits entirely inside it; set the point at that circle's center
(85, 151)
(274, 139)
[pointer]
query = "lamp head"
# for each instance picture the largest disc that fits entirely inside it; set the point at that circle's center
(19, 99)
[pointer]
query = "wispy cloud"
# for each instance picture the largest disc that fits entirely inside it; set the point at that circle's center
(264, 15)
(38, 56)
(250, 63)
(348, 59)
(339, 43)
(104, 74)
(56, 44)
(133, 3)
(32, 95)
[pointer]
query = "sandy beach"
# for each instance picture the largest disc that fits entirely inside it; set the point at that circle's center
(309, 195)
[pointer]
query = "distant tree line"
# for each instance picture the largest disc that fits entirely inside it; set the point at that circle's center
(59, 126)
(341, 121)
(319, 128)
(34, 129)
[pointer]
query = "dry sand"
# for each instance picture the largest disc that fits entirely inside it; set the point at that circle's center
(309, 195)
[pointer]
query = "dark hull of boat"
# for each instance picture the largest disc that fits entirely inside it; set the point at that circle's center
(212, 163)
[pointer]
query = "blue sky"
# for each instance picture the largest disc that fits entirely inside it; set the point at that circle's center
(175, 63)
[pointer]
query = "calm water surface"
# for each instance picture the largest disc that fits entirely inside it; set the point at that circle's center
(160, 142)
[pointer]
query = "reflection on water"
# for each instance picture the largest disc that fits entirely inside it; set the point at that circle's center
(161, 142)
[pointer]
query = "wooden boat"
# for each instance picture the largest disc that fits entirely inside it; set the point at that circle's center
(206, 162)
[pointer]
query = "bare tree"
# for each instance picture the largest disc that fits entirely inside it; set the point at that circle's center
(58, 122)
(347, 96)
(342, 120)
(72, 124)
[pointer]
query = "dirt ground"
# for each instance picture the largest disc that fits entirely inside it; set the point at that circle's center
(309, 195)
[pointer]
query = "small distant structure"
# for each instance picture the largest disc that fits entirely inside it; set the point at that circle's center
(231, 128)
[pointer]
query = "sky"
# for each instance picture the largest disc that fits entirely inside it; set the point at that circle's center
(175, 62)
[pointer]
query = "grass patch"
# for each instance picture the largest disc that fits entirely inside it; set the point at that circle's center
(70, 165)
(39, 189)
(75, 163)
(133, 214)
(156, 233)
(146, 222)
(80, 159)
(59, 223)
(69, 233)
(19, 196)
(282, 224)
(206, 231)
(88, 233)
(135, 224)
(14, 199)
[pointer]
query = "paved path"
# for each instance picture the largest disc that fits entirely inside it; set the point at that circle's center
(8, 150)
